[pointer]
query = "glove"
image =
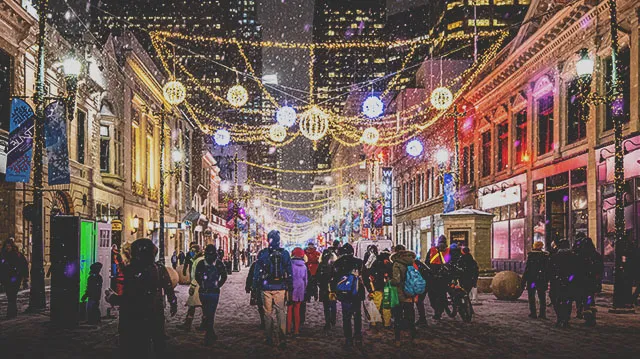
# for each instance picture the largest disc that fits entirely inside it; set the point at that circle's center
(192, 290)
(173, 310)
(248, 290)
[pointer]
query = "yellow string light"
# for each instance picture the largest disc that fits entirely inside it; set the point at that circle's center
(313, 190)
(281, 170)
(298, 202)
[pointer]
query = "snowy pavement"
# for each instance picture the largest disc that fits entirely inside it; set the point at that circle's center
(499, 330)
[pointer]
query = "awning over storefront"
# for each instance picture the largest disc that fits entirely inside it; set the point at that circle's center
(191, 216)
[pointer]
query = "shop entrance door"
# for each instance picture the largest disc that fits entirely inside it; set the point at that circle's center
(557, 216)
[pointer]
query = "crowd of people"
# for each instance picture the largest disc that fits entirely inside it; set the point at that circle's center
(572, 274)
(386, 285)
(389, 285)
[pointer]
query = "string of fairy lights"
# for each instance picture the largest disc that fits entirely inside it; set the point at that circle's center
(316, 122)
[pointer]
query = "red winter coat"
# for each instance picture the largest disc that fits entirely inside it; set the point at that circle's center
(313, 260)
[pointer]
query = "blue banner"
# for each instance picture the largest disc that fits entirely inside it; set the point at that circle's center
(20, 148)
(55, 133)
(366, 214)
(449, 193)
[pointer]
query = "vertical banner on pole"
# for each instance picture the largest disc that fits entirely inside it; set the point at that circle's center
(55, 132)
(449, 193)
(20, 148)
(377, 214)
(387, 190)
(366, 223)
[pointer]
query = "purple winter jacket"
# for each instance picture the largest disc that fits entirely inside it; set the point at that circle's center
(299, 279)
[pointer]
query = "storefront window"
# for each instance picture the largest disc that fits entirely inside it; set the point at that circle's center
(539, 218)
(580, 215)
(516, 232)
(501, 240)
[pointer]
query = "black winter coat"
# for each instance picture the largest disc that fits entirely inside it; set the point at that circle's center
(94, 287)
(592, 266)
(380, 269)
(325, 273)
(210, 277)
(565, 274)
(470, 271)
(536, 271)
(344, 266)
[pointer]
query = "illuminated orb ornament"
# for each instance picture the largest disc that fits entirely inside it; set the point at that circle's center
(286, 116)
(370, 135)
(237, 96)
(414, 148)
(314, 123)
(222, 137)
(441, 98)
(372, 107)
(277, 132)
(174, 92)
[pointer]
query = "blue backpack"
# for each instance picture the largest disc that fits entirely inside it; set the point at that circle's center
(347, 287)
(414, 284)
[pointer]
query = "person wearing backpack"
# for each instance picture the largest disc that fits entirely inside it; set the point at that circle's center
(536, 279)
(273, 276)
(211, 275)
(375, 281)
(347, 284)
(409, 282)
(325, 295)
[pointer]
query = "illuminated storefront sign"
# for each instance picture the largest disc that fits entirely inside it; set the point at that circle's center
(387, 190)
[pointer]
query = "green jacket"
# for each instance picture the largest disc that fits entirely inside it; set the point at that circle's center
(401, 260)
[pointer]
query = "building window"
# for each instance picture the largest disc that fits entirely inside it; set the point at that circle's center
(503, 146)
(454, 25)
(150, 163)
(520, 144)
(5, 90)
(135, 132)
(472, 163)
(464, 172)
(502, 2)
(105, 144)
(486, 154)
(545, 124)
(624, 76)
(577, 110)
(81, 123)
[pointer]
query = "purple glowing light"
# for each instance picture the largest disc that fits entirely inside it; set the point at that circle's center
(565, 198)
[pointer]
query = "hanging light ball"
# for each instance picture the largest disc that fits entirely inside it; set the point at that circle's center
(222, 137)
(277, 132)
(174, 92)
(441, 98)
(372, 106)
(237, 96)
(370, 135)
(314, 123)
(286, 116)
(414, 148)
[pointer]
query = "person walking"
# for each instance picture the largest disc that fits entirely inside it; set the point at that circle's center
(181, 258)
(93, 293)
(211, 275)
(422, 313)
(347, 284)
(273, 276)
(297, 295)
(193, 301)
(470, 272)
(174, 259)
(141, 304)
(256, 295)
(565, 267)
(14, 271)
(592, 266)
(325, 293)
(403, 273)
(194, 249)
(536, 279)
(375, 280)
(312, 261)
(437, 280)
(117, 269)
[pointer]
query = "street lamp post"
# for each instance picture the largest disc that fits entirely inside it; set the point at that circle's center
(71, 69)
(622, 286)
